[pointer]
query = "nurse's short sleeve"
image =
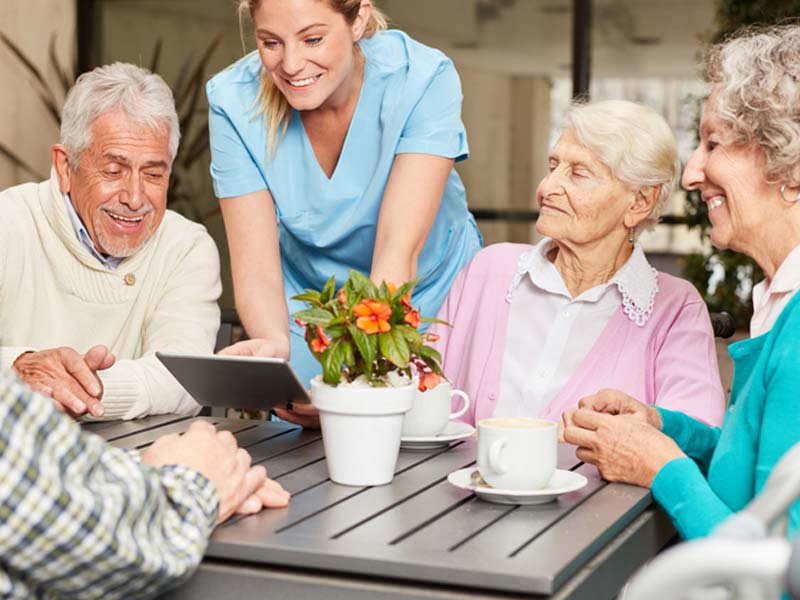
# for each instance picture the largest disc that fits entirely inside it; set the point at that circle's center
(434, 125)
(233, 170)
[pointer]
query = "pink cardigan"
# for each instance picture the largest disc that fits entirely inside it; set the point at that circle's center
(670, 361)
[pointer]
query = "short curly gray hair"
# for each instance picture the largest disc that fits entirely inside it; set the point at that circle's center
(142, 95)
(632, 140)
(755, 76)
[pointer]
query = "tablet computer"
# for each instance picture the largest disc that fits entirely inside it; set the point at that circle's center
(243, 382)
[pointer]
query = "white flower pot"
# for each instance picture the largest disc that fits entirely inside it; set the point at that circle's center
(361, 430)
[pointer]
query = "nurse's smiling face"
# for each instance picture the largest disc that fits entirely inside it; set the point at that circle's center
(307, 48)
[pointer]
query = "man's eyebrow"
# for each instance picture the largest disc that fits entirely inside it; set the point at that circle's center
(155, 163)
(116, 158)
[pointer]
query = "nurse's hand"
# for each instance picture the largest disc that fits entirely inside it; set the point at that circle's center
(305, 415)
(259, 347)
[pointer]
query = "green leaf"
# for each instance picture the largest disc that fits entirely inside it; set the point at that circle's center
(314, 316)
(329, 290)
(367, 346)
(394, 347)
(363, 285)
(405, 289)
(434, 320)
(349, 355)
(332, 360)
(310, 296)
(383, 293)
(413, 337)
(428, 352)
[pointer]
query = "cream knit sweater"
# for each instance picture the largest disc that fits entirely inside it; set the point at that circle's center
(53, 292)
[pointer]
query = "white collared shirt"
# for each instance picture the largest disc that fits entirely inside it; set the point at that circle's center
(549, 333)
(769, 299)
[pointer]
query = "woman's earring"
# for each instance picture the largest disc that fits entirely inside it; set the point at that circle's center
(790, 200)
(630, 235)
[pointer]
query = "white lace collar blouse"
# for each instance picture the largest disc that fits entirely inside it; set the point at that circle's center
(544, 316)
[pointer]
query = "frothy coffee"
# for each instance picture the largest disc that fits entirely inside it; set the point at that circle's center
(516, 423)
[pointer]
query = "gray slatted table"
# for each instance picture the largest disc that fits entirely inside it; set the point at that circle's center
(418, 537)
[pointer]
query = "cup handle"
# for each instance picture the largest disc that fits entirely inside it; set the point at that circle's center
(495, 464)
(464, 408)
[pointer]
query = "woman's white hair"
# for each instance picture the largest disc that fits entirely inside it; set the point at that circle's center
(756, 79)
(142, 95)
(632, 140)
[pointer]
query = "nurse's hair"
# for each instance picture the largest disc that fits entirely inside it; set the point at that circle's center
(143, 96)
(272, 105)
(634, 142)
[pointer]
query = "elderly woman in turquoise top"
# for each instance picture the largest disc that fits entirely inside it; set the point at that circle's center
(747, 169)
(333, 148)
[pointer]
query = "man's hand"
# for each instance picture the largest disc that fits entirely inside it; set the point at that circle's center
(241, 488)
(272, 348)
(66, 376)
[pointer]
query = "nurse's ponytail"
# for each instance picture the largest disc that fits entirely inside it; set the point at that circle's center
(271, 104)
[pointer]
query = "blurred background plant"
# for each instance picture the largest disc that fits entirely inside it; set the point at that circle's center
(187, 89)
(726, 278)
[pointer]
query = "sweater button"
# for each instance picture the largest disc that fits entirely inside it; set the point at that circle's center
(492, 396)
(129, 279)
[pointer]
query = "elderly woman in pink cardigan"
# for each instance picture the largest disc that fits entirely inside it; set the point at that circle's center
(536, 328)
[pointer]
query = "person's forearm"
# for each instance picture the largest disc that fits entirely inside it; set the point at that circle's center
(395, 263)
(103, 525)
(262, 308)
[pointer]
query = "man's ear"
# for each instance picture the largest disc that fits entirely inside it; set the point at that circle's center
(58, 156)
(644, 201)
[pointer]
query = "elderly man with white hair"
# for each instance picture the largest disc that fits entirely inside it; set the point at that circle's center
(95, 273)
(537, 328)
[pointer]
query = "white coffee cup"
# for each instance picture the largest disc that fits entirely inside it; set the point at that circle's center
(517, 453)
(430, 413)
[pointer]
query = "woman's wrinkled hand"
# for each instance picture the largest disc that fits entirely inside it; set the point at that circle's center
(624, 447)
(615, 402)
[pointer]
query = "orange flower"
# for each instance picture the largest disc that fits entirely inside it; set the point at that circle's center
(431, 337)
(412, 318)
(300, 323)
(392, 287)
(373, 316)
(342, 297)
(428, 381)
(321, 343)
(406, 301)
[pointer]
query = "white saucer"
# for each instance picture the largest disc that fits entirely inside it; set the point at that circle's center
(455, 430)
(561, 483)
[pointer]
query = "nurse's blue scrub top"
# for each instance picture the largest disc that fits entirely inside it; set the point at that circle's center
(410, 102)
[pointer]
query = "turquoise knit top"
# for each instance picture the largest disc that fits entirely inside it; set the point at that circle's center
(726, 467)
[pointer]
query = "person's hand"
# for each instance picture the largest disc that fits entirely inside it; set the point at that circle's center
(304, 414)
(267, 348)
(241, 488)
(66, 376)
(623, 447)
(614, 402)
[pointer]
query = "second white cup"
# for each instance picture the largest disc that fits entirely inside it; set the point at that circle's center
(430, 413)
